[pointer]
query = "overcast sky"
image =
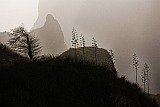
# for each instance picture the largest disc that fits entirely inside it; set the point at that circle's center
(125, 26)
(14, 12)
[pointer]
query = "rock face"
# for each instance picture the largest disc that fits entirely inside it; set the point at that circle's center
(103, 56)
(51, 36)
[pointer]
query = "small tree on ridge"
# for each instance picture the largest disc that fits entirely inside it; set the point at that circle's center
(24, 43)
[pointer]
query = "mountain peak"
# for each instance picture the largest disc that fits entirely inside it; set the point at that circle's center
(49, 17)
(50, 21)
(51, 36)
(22, 25)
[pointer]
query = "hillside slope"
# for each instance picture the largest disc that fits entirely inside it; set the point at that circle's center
(7, 56)
(157, 97)
(57, 82)
(61, 82)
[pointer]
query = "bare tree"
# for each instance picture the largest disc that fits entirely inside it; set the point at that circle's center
(94, 45)
(24, 43)
(75, 43)
(82, 43)
(136, 66)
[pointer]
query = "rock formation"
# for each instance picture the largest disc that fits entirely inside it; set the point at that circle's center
(51, 36)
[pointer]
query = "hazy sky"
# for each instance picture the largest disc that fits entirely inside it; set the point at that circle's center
(126, 26)
(14, 12)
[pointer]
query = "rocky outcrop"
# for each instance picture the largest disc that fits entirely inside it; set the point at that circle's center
(51, 36)
(103, 56)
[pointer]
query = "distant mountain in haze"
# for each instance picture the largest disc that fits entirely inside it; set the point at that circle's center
(125, 26)
(89, 55)
(4, 36)
(51, 36)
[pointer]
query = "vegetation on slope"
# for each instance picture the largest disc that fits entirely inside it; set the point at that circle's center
(89, 55)
(55, 82)
(157, 97)
(58, 82)
(7, 56)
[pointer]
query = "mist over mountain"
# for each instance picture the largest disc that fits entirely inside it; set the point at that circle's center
(125, 26)
(4, 36)
(51, 36)
(77, 78)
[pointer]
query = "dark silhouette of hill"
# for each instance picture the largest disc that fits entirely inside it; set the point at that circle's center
(89, 55)
(157, 97)
(51, 36)
(58, 82)
(7, 56)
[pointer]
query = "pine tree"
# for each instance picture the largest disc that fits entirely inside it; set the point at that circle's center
(24, 43)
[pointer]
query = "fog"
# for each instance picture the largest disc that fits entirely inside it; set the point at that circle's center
(15, 12)
(125, 26)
